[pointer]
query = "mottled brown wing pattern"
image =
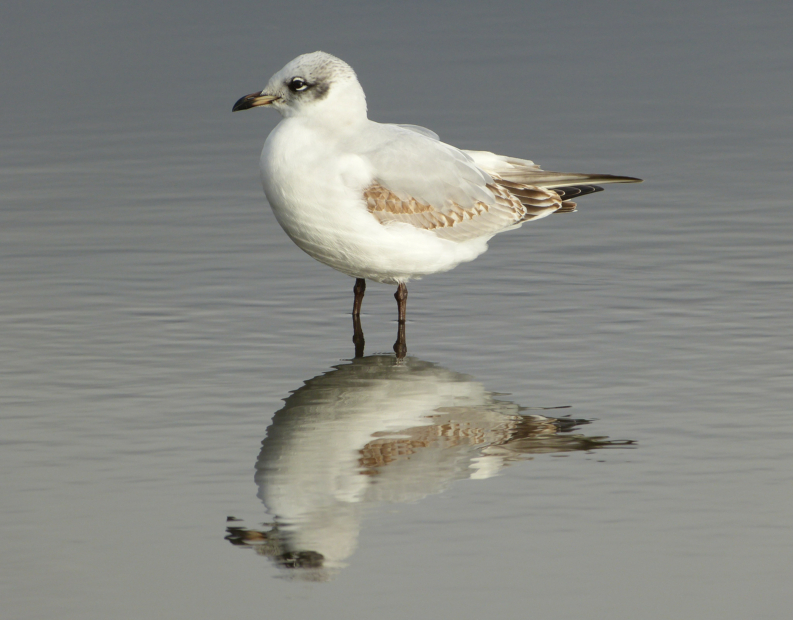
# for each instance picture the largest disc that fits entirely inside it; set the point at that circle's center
(514, 203)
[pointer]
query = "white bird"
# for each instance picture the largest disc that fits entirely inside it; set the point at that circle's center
(389, 202)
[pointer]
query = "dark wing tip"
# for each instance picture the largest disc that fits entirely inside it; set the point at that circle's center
(574, 191)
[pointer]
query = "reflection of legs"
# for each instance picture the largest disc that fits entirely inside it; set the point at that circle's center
(357, 335)
(400, 346)
(357, 331)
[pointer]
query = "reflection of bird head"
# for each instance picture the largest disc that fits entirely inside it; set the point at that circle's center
(271, 544)
(373, 431)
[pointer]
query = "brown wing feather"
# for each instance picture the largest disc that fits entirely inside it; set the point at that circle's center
(513, 204)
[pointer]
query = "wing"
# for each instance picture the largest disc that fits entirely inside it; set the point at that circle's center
(418, 180)
(509, 207)
(421, 130)
(462, 195)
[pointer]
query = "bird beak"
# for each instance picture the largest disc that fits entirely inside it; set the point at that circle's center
(254, 100)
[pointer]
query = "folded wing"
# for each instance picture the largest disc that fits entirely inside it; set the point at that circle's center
(462, 195)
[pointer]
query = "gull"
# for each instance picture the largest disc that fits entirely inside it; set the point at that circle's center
(386, 202)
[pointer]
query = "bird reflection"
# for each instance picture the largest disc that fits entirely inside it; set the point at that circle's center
(382, 430)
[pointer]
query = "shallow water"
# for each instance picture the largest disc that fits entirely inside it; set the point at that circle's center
(177, 376)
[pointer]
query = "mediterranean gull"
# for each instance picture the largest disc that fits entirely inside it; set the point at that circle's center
(389, 202)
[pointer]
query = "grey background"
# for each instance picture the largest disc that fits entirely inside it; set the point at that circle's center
(153, 315)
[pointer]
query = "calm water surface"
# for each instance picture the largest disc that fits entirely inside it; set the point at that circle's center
(594, 419)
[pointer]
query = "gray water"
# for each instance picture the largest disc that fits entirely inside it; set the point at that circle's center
(594, 419)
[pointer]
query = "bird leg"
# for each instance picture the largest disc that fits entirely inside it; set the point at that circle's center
(400, 346)
(401, 296)
(359, 289)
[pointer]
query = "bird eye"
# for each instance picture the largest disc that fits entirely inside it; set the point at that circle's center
(296, 84)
